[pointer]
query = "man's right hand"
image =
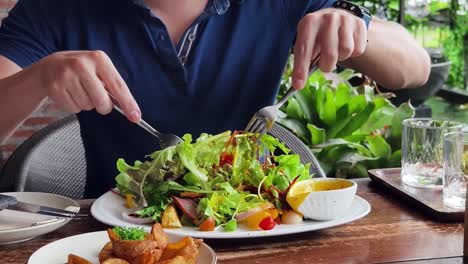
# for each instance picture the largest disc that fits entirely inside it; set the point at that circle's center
(82, 80)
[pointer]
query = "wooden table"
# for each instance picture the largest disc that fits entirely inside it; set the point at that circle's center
(392, 232)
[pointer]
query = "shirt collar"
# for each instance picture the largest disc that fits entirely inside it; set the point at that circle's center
(215, 7)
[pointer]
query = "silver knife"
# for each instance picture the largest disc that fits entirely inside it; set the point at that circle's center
(11, 203)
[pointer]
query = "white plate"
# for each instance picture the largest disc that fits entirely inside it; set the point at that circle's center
(109, 207)
(16, 226)
(88, 246)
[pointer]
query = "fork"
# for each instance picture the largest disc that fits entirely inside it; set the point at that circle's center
(263, 119)
(165, 140)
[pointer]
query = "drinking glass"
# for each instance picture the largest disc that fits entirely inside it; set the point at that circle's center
(422, 154)
(455, 169)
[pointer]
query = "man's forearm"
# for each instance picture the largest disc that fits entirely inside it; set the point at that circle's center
(392, 57)
(20, 96)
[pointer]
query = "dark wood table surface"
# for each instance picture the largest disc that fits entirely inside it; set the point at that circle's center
(393, 232)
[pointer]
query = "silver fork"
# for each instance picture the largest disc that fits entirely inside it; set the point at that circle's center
(264, 119)
(165, 140)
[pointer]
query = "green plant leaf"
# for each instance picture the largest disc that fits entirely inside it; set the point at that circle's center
(334, 153)
(342, 95)
(395, 159)
(317, 79)
(378, 146)
(328, 111)
(357, 104)
(346, 74)
(404, 111)
(379, 119)
(354, 158)
(357, 121)
(318, 135)
(356, 138)
(293, 109)
(305, 100)
(346, 170)
(340, 141)
(320, 100)
(334, 130)
(381, 101)
(296, 127)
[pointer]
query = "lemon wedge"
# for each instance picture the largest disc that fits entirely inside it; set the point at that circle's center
(298, 192)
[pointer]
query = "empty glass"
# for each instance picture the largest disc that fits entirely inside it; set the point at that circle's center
(422, 154)
(455, 169)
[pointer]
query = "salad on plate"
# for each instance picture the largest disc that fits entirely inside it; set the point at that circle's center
(214, 182)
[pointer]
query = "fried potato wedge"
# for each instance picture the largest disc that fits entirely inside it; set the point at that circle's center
(74, 259)
(159, 235)
(130, 249)
(184, 251)
(106, 252)
(144, 259)
(115, 261)
(176, 260)
(112, 235)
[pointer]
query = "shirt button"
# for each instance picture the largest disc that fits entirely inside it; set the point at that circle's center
(191, 37)
(162, 38)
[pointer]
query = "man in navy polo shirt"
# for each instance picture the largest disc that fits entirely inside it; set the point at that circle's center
(186, 66)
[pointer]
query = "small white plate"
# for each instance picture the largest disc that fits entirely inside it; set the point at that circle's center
(17, 226)
(88, 246)
(109, 207)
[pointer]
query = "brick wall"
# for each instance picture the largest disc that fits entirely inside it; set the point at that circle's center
(44, 116)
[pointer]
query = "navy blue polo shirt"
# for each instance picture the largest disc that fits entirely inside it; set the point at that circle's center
(226, 66)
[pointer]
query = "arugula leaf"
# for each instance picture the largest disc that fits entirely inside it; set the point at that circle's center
(129, 233)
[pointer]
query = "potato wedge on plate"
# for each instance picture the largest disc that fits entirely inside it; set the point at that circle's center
(74, 259)
(106, 252)
(115, 261)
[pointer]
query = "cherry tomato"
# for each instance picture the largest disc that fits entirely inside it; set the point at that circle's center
(267, 223)
(208, 224)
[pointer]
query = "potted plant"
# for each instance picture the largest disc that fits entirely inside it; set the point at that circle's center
(349, 128)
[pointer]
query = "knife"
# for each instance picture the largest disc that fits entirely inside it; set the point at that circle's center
(11, 203)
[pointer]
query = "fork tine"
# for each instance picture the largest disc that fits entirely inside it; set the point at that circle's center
(256, 125)
(261, 128)
(264, 129)
(250, 124)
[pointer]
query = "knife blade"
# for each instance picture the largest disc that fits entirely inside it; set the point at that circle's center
(11, 203)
